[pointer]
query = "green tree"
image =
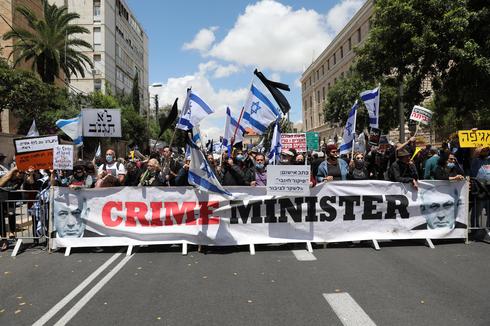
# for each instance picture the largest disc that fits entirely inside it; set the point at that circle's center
(136, 93)
(285, 127)
(52, 45)
(445, 42)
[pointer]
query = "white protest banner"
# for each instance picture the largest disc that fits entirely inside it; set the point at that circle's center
(421, 115)
(335, 211)
(101, 122)
(283, 180)
(34, 144)
(295, 141)
(63, 157)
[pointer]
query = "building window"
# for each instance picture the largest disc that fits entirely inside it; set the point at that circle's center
(319, 118)
(341, 52)
(311, 121)
(306, 123)
(97, 36)
(359, 35)
(350, 43)
(310, 80)
(317, 74)
(318, 96)
(96, 9)
(97, 85)
(335, 80)
(323, 70)
(323, 93)
(311, 101)
(334, 59)
(328, 86)
(328, 64)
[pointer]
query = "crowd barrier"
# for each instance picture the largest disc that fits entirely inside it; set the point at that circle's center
(480, 210)
(333, 212)
(24, 215)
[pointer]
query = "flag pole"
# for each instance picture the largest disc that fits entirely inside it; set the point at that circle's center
(237, 125)
(354, 138)
(181, 112)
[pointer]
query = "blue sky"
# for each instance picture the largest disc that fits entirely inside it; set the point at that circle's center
(215, 45)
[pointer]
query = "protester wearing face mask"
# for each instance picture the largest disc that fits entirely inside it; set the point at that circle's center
(480, 165)
(448, 168)
(333, 168)
(358, 168)
(260, 171)
(111, 169)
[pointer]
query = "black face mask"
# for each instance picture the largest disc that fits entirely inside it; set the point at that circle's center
(300, 162)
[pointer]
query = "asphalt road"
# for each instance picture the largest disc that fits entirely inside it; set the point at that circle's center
(405, 283)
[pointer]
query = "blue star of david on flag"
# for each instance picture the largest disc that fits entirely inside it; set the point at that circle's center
(206, 168)
(259, 111)
(257, 108)
(371, 101)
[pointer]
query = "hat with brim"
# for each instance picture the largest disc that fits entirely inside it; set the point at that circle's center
(402, 152)
(287, 152)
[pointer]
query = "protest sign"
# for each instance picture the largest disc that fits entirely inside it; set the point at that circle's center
(295, 141)
(36, 160)
(63, 157)
(33, 144)
(421, 115)
(334, 212)
(374, 136)
(101, 122)
(474, 138)
(286, 179)
(312, 140)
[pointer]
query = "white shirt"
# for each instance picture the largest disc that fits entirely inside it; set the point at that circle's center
(113, 169)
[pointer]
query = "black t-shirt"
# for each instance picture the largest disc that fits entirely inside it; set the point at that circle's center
(334, 171)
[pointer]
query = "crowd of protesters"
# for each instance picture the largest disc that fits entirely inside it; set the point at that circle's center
(164, 168)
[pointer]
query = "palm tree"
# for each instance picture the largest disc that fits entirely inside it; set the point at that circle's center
(49, 45)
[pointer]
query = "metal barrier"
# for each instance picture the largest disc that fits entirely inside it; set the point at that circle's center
(480, 203)
(23, 216)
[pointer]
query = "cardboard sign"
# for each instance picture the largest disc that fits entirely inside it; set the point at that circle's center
(312, 140)
(63, 157)
(286, 179)
(374, 136)
(474, 138)
(36, 160)
(33, 144)
(101, 122)
(421, 115)
(295, 141)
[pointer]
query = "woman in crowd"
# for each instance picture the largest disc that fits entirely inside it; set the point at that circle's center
(358, 168)
(448, 168)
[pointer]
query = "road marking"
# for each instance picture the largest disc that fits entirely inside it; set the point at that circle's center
(347, 309)
(303, 255)
(56, 308)
(90, 294)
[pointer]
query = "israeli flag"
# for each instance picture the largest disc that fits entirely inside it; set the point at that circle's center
(231, 125)
(371, 101)
(196, 135)
(275, 152)
(73, 128)
(201, 175)
(259, 112)
(349, 131)
(193, 111)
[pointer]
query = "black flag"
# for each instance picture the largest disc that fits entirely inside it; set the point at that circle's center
(274, 87)
(165, 122)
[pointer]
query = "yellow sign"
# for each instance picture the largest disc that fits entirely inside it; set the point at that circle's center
(474, 138)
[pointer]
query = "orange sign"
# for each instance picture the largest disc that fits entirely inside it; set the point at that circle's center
(36, 160)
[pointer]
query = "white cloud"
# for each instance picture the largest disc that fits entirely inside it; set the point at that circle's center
(216, 99)
(202, 41)
(274, 36)
(271, 35)
(217, 70)
(341, 13)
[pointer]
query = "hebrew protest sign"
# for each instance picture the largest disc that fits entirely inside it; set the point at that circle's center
(101, 122)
